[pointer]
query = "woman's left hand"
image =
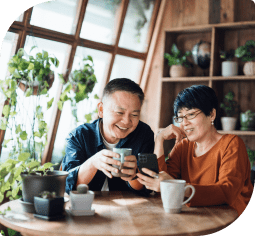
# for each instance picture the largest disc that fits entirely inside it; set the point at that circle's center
(152, 183)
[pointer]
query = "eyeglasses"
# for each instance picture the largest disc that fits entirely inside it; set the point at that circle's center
(188, 116)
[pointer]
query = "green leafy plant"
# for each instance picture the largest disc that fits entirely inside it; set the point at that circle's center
(10, 174)
(227, 55)
(80, 84)
(19, 139)
(251, 155)
(23, 113)
(32, 70)
(229, 105)
(177, 58)
(246, 52)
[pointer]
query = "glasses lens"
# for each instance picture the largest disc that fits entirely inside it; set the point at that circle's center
(178, 119)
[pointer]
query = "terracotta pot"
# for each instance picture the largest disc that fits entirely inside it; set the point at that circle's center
(178, 71)
(228, 123)
(24, 86)
(249, 68)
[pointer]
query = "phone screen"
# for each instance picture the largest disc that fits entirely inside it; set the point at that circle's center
(149, 161)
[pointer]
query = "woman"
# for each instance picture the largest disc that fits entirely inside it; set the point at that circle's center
(216, 165)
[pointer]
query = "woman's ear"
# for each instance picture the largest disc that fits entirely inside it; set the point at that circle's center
(100, 109)
(213, 114)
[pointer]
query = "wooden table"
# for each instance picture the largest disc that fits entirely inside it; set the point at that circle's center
(123, 213)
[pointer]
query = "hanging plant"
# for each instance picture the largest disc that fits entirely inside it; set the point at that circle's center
(23, 114)
(80, 84)
(33, 74)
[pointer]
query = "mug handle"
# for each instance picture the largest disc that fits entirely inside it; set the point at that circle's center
(192, 194)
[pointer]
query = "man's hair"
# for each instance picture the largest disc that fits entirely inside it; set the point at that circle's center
(196, 96)
(123, 84)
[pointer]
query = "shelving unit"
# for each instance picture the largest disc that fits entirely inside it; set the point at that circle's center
(221, 37)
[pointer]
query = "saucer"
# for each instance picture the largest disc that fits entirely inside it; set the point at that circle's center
(27, 206)
(49, 218)
(81, 213)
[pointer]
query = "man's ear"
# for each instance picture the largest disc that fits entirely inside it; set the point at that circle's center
(100, 109)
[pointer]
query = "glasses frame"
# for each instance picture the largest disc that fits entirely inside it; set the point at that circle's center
(182, 117)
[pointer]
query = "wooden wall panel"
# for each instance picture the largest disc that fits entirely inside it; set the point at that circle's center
(227, 11)
(245, 10)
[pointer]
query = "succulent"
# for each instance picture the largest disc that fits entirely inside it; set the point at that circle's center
(82, 188)
(47, 194)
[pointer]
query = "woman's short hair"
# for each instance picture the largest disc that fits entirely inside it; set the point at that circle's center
(196, 96)
(123, 84)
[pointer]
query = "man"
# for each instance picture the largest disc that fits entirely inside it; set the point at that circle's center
(89, 148)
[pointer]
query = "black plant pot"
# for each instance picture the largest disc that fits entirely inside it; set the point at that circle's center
(49, 208)
(33, 185)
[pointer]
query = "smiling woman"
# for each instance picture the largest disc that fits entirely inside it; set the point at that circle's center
(216, 165)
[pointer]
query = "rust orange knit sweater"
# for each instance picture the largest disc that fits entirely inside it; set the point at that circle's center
(220, 176)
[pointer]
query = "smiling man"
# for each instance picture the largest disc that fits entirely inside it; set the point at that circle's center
(89, 155)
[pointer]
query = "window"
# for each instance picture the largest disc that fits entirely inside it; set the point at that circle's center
(114, 32)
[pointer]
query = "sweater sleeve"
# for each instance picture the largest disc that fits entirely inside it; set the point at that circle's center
(232, 173)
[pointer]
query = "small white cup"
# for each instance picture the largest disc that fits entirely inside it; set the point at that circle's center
(172, 194)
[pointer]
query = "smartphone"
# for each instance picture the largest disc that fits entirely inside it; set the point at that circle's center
(149, 161)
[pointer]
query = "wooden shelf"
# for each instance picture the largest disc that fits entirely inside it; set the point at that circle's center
(207, 78)
(222, 36)
(236, 132)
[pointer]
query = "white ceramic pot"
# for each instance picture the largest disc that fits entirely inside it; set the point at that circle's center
(229, 68)
(81, 201)
(249, 68)
(228, 123)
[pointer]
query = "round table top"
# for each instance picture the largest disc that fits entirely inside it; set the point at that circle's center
(122, 213)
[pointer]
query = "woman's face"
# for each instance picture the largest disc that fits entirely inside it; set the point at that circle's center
(199, 127)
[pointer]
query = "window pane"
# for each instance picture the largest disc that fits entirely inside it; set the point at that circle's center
(136, 24)
(20, 17)
(67, 120)
(7, 51)
(26, 106)
(99, 21)
(126, 67)
(56, 15)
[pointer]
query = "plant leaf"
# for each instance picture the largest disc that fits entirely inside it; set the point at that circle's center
(23, 156)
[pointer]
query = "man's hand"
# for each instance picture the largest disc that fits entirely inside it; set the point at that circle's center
(131, 163)
(103, 161)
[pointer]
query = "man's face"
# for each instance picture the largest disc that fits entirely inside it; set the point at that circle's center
(121, 113)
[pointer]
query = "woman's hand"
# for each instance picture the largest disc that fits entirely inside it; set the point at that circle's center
(171, 132)
(131, 163)
(152, 183)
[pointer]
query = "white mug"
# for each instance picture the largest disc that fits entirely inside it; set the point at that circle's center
(172, 194)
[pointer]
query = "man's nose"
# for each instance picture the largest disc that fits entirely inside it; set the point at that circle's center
(126, 119)
(185, 121)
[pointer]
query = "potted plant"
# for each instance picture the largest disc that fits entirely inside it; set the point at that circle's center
(49, 206)
(80, 84)
(228, 67)
(81, 200)
(28, 177)
(247, 54)
(178, 62)
(247, 120)
(33, 74)
(230, 107)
